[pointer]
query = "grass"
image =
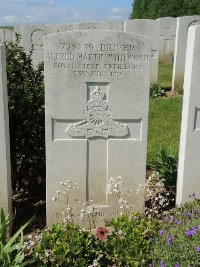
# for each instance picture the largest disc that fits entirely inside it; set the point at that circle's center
(7, 27)
(165, 70)
(164, 116)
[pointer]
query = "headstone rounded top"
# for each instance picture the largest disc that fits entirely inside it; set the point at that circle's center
(194, 23)
(36, 37)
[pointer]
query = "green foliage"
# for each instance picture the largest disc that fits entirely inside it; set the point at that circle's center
(12, 250)
(166, 163)
(153, 9)
(177, 241)
(156, 91)
(130, 242)
(26, 112)
(164, 125)
(66, 245)
(7, 27)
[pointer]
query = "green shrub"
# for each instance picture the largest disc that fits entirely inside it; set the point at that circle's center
(26, 114)
(177, 242)
(66, 245)
(130, 244)
(166, 163)
(156, 91)
(12, 250)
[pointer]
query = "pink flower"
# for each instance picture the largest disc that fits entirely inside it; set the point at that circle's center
(101, 233)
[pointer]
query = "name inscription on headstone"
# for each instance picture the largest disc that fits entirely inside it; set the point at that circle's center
(110, 60)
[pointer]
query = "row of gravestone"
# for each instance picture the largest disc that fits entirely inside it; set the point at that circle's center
(168, 39)
(96, 101)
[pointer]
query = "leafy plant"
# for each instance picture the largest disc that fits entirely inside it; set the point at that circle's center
(66, 245)
(12, 250)
(166, 163)
(130, 242)
(26, 114)
(156, 91)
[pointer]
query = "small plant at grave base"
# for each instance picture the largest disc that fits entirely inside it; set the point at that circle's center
(12, 249)
(156, 91)
(64, 197)
(89, 214)
(130, 243)
(116, 187)
(166, 163)
(67, 245)
(178, 239)
(157, 198)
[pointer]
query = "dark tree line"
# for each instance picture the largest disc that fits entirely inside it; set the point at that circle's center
(153, 9)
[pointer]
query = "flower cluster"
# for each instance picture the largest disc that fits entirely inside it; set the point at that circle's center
(116, 187)
(89, 214)
(156, 196)
(192, 231)
(63, 196)
(30, 241)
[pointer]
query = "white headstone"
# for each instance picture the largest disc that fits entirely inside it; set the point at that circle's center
(97, 91)
(167, 38)
(151, 29)
(183, 24)
(5, 168)
(32, 36)
(6, 35)
(106, 25)
(189, 154)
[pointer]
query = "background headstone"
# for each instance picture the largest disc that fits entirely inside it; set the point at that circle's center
(5, 168)
(97, 90)
(6, 35)
(106, 25)
(151, 29)
(167, 38)
(183, 24)
(189, 154)
(32, 36)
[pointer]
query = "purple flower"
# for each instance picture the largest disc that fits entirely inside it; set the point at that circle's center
(169, 240)
(192, 231)
(161, 232)
(197, 249)
(189, 214)
(172, 218)
(178, 222)
(165, 219)
(177, 265)
(162, 264)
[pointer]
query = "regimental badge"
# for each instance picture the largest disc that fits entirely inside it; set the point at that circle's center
(98, 120)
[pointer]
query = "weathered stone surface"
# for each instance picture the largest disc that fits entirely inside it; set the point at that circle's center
(151, 29)
(97, 91)
(6, 35)
(167, 38)
(5, 169)
(183, 24)
(32, 36)
(189, 154)
(106, 25)
(64, 27)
